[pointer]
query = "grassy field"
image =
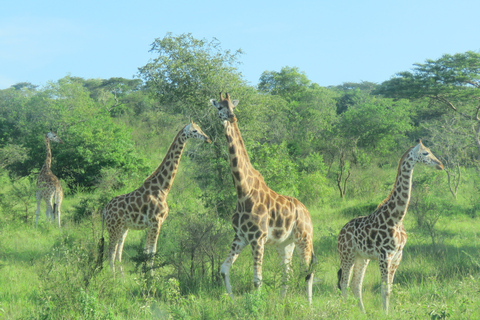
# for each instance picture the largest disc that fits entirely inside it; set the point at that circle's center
(47, 273)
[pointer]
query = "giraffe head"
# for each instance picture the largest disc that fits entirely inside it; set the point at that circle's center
(192, 130)
(225, 107)
(423, 155)
(52, 136)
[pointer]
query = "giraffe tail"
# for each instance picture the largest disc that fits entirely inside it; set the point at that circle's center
(313, 262)
(339, 275)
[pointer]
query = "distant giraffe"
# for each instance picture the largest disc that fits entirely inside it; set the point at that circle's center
(262, 216)
(48, 185)
(381, 235)
(146, 207)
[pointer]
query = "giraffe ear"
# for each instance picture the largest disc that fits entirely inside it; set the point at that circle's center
(215, 103)
(235, 102)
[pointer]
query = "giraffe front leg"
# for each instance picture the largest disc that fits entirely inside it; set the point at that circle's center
(387, 271)
(237, 247)
(387, 289)
(258, 248)
(359, 268)
(286, 252)
(151, 244)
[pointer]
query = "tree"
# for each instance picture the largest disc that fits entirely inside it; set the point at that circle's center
(452, 81)
(375, 123)
(449, 138)
(188, 71)
(114, 93)
(184, 75)
(92, 139)
(290, 83)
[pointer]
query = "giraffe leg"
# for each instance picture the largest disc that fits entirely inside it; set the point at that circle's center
(119, 248)
(286, 252)
(387, 289)
(38, 196)
(387, 273)
(151, 243)
(258, 248)
(49, 212)
(57, 206)
(359, 268)
(114, 238)
(236, 248)
(344, 273)
(112, 251)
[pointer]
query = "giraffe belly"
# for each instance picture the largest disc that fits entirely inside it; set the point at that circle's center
(367, 254)
(136, 222)
(277, 235)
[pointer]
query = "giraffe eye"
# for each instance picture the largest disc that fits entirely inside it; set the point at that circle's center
(425, 153)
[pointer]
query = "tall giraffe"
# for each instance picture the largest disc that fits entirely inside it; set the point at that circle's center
(262, 216)
(146, 207)
(48, 185)
(381, 235)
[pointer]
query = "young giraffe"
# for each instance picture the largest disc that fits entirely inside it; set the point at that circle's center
(262, 216)
(146, 207)
(48, 185)
(381, 235)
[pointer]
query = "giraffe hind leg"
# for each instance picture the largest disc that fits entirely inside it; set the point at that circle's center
(286, 252)
(357, 279)
(56, 208)
(119, 249)
(49, 211)
(344, 276)
(236, 248)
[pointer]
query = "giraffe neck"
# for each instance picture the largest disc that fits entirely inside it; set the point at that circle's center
(160, 181)
(396, 203)
(245, 177)
(48, 159)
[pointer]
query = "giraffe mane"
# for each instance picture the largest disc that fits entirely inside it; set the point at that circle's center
(396, 178)
(240, 139)
(154, 173)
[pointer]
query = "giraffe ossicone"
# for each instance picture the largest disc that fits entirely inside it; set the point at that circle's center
(48, 186)
(262, 216)
(146, 207)
(381, 235)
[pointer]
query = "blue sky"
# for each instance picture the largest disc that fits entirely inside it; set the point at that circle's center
(331, 41)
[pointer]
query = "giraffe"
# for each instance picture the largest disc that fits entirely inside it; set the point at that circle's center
(48, 185)
(262, 216)
(381, 235)
(146, 207)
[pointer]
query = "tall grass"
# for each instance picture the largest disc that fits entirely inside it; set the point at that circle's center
(49, 274)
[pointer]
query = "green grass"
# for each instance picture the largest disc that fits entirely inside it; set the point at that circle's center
(49, 274)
